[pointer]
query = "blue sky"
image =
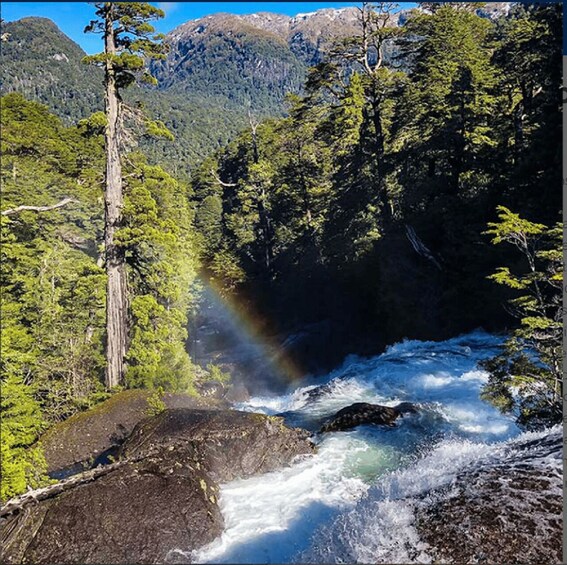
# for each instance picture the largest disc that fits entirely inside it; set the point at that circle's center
(72, 17)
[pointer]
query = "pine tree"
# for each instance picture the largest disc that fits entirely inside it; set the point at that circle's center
(129, 40)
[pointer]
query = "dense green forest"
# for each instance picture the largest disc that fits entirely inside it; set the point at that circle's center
(412, 201)
(53, 282)
(367, 205)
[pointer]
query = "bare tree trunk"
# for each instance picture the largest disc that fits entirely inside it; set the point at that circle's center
(116, 301)
(265, 223)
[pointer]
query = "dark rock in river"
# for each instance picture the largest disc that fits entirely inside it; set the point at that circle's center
(315, 394)
(361, 413)
(162, 499)
(509, 512)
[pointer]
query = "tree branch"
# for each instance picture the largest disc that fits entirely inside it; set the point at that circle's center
(52, 490)
(13, 211)
(226, 184)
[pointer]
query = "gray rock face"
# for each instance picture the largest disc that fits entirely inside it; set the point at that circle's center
(77, 443)
(509, 512)
(232, 444)
(361, 413)
(162, 502)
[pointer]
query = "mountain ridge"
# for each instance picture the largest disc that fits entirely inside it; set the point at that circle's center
(219, 67)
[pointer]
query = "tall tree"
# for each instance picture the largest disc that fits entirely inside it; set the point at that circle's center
(129, 41)
(378, 30)
(532, 384)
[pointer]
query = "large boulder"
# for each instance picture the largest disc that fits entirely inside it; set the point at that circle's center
(233, 444)
(135, 514)
(85, 438)
(161, 502)
(361, 413)
(506, 512)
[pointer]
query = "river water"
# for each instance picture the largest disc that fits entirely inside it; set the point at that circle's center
(351, 502)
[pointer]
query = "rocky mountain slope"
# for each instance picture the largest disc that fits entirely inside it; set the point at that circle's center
(39, 61)
(218, 68)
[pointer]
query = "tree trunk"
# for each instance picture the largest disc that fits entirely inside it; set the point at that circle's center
(518, 115)
(116, 302)
(379, 158)
(265, 223)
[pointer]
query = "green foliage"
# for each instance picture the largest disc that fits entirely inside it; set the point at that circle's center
(53, 283)
(216, 374)
(134, 39)
(360, 205)
(156, 405)
(527, 377)
(159, 247)
(156, 128)
(21, 421)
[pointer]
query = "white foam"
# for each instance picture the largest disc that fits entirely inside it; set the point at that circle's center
(352, 501)
(380, 529)
(287, 503)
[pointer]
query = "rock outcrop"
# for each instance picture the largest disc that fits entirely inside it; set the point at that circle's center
(161, 502)
(506, 512)
(135, 514)
(231, 444)
(81, 441)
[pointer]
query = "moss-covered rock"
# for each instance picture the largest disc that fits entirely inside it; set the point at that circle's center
(160, 502)
(77, 442)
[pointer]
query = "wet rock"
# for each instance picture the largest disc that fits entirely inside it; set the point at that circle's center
(161, 502)
(361, 413)
(84, 439)
(233, 444)
(509, 512)
(315, 394)
(237, 393)
(135, 514)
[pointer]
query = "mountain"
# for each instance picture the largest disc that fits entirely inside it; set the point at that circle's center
(39, 61)
(218, 66)
(224, 65)
(218, 69)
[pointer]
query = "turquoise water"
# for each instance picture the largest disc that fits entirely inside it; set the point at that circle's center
(345, 504)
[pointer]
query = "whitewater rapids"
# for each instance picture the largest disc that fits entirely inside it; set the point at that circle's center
(352, 501)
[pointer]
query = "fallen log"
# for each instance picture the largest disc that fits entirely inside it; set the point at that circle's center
(53, 490)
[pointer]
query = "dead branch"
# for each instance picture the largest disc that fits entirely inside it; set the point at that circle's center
(13, 211)
(57, 488)
(225, 184)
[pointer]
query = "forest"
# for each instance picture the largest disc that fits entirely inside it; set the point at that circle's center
(418, 199)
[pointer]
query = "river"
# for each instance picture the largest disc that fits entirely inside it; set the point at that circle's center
(352, 501)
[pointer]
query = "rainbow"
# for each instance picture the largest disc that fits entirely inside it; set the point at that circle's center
(254, 328)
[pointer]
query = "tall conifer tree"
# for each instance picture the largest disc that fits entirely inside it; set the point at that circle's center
(129, 41)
